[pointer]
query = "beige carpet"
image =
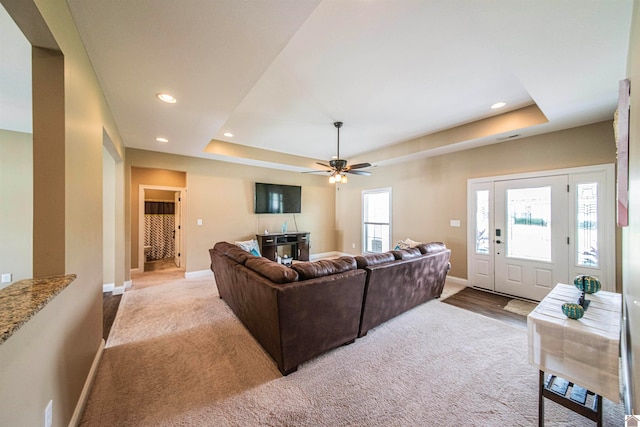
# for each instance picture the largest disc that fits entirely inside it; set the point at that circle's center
(177, 356)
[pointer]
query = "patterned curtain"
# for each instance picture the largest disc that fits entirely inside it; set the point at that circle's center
(159, 220)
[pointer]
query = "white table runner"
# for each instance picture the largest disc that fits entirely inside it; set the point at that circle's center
(583, 351)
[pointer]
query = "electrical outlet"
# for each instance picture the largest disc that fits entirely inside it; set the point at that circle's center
(454, 223)
(353, 245)
(6, 278)
(48, 414)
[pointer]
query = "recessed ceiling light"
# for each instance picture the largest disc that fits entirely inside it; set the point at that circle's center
(498, 105)
(163, 140)
(165, 97)
(334, 157)
(228, 134)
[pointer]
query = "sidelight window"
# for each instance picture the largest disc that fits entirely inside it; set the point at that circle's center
(482, 222)
(587, 224)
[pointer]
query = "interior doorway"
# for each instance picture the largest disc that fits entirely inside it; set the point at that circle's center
(161, 242)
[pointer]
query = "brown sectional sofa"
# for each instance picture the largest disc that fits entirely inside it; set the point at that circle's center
(400, 280)
(297, 313)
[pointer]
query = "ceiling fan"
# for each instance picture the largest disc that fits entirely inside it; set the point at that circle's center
(338, 167)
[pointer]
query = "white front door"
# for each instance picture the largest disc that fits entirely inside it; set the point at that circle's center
(528, 232)
(531, 235)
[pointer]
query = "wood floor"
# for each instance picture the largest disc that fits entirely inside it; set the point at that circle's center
(110, 304)
(487, 304)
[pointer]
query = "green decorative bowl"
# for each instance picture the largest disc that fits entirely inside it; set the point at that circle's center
(587, 284)
(572, 310)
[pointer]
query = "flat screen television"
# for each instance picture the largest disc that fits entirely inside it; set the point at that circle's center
(277, 199)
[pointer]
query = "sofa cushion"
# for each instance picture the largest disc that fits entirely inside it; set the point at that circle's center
(326, 267)
(368, 260)
(432, 248)
(250, 246)
(273, 271)
(407, 253)
(237, 254)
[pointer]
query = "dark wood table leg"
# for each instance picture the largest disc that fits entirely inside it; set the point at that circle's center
(541, 400)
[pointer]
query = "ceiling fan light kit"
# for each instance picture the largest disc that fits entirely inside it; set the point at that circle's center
(338, 167)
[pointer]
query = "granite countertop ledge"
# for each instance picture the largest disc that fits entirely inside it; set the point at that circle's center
(21, 300)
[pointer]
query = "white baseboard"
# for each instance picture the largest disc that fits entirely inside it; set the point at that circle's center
(457, 280)
(82, 400)
(136, 271)
(198, 274)
(116, 290)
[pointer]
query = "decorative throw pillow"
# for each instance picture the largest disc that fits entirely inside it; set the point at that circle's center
(412, 243)
(406, 244)
(250, 246)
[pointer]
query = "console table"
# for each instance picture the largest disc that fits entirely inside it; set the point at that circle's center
(583, 351)
(295, 244)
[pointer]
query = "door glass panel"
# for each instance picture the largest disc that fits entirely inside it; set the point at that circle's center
(482, 222)
(529, 223)
(587, 222)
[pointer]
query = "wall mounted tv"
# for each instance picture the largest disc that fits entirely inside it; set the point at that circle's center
(277, 199)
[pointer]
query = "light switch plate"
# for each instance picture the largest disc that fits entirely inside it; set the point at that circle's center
(6, 278)
(455, 223)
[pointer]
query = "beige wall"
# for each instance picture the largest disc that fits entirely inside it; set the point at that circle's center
(49, 162)
(16, 204)
(428, 193)
(159, 195)
(221, 194)
(49, 358)
(631, 234)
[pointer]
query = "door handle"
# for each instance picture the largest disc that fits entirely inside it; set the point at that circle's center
(498, 241)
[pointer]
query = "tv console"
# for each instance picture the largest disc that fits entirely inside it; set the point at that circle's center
(294, 245)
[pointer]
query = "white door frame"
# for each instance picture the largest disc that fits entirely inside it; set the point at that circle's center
(141, 190)
(606, 234)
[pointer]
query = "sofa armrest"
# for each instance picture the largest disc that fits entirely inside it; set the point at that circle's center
(409, 253)
(374, 259)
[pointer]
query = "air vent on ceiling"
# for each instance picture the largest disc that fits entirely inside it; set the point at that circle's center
(504, 138)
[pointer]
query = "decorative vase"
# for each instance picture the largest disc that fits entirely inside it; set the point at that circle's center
(284, 227)
(572, 310)
(587, 284)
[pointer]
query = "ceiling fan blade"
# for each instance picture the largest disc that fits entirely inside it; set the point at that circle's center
(317, 171)
(367, 173)
(359, 166)
(322, 164)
